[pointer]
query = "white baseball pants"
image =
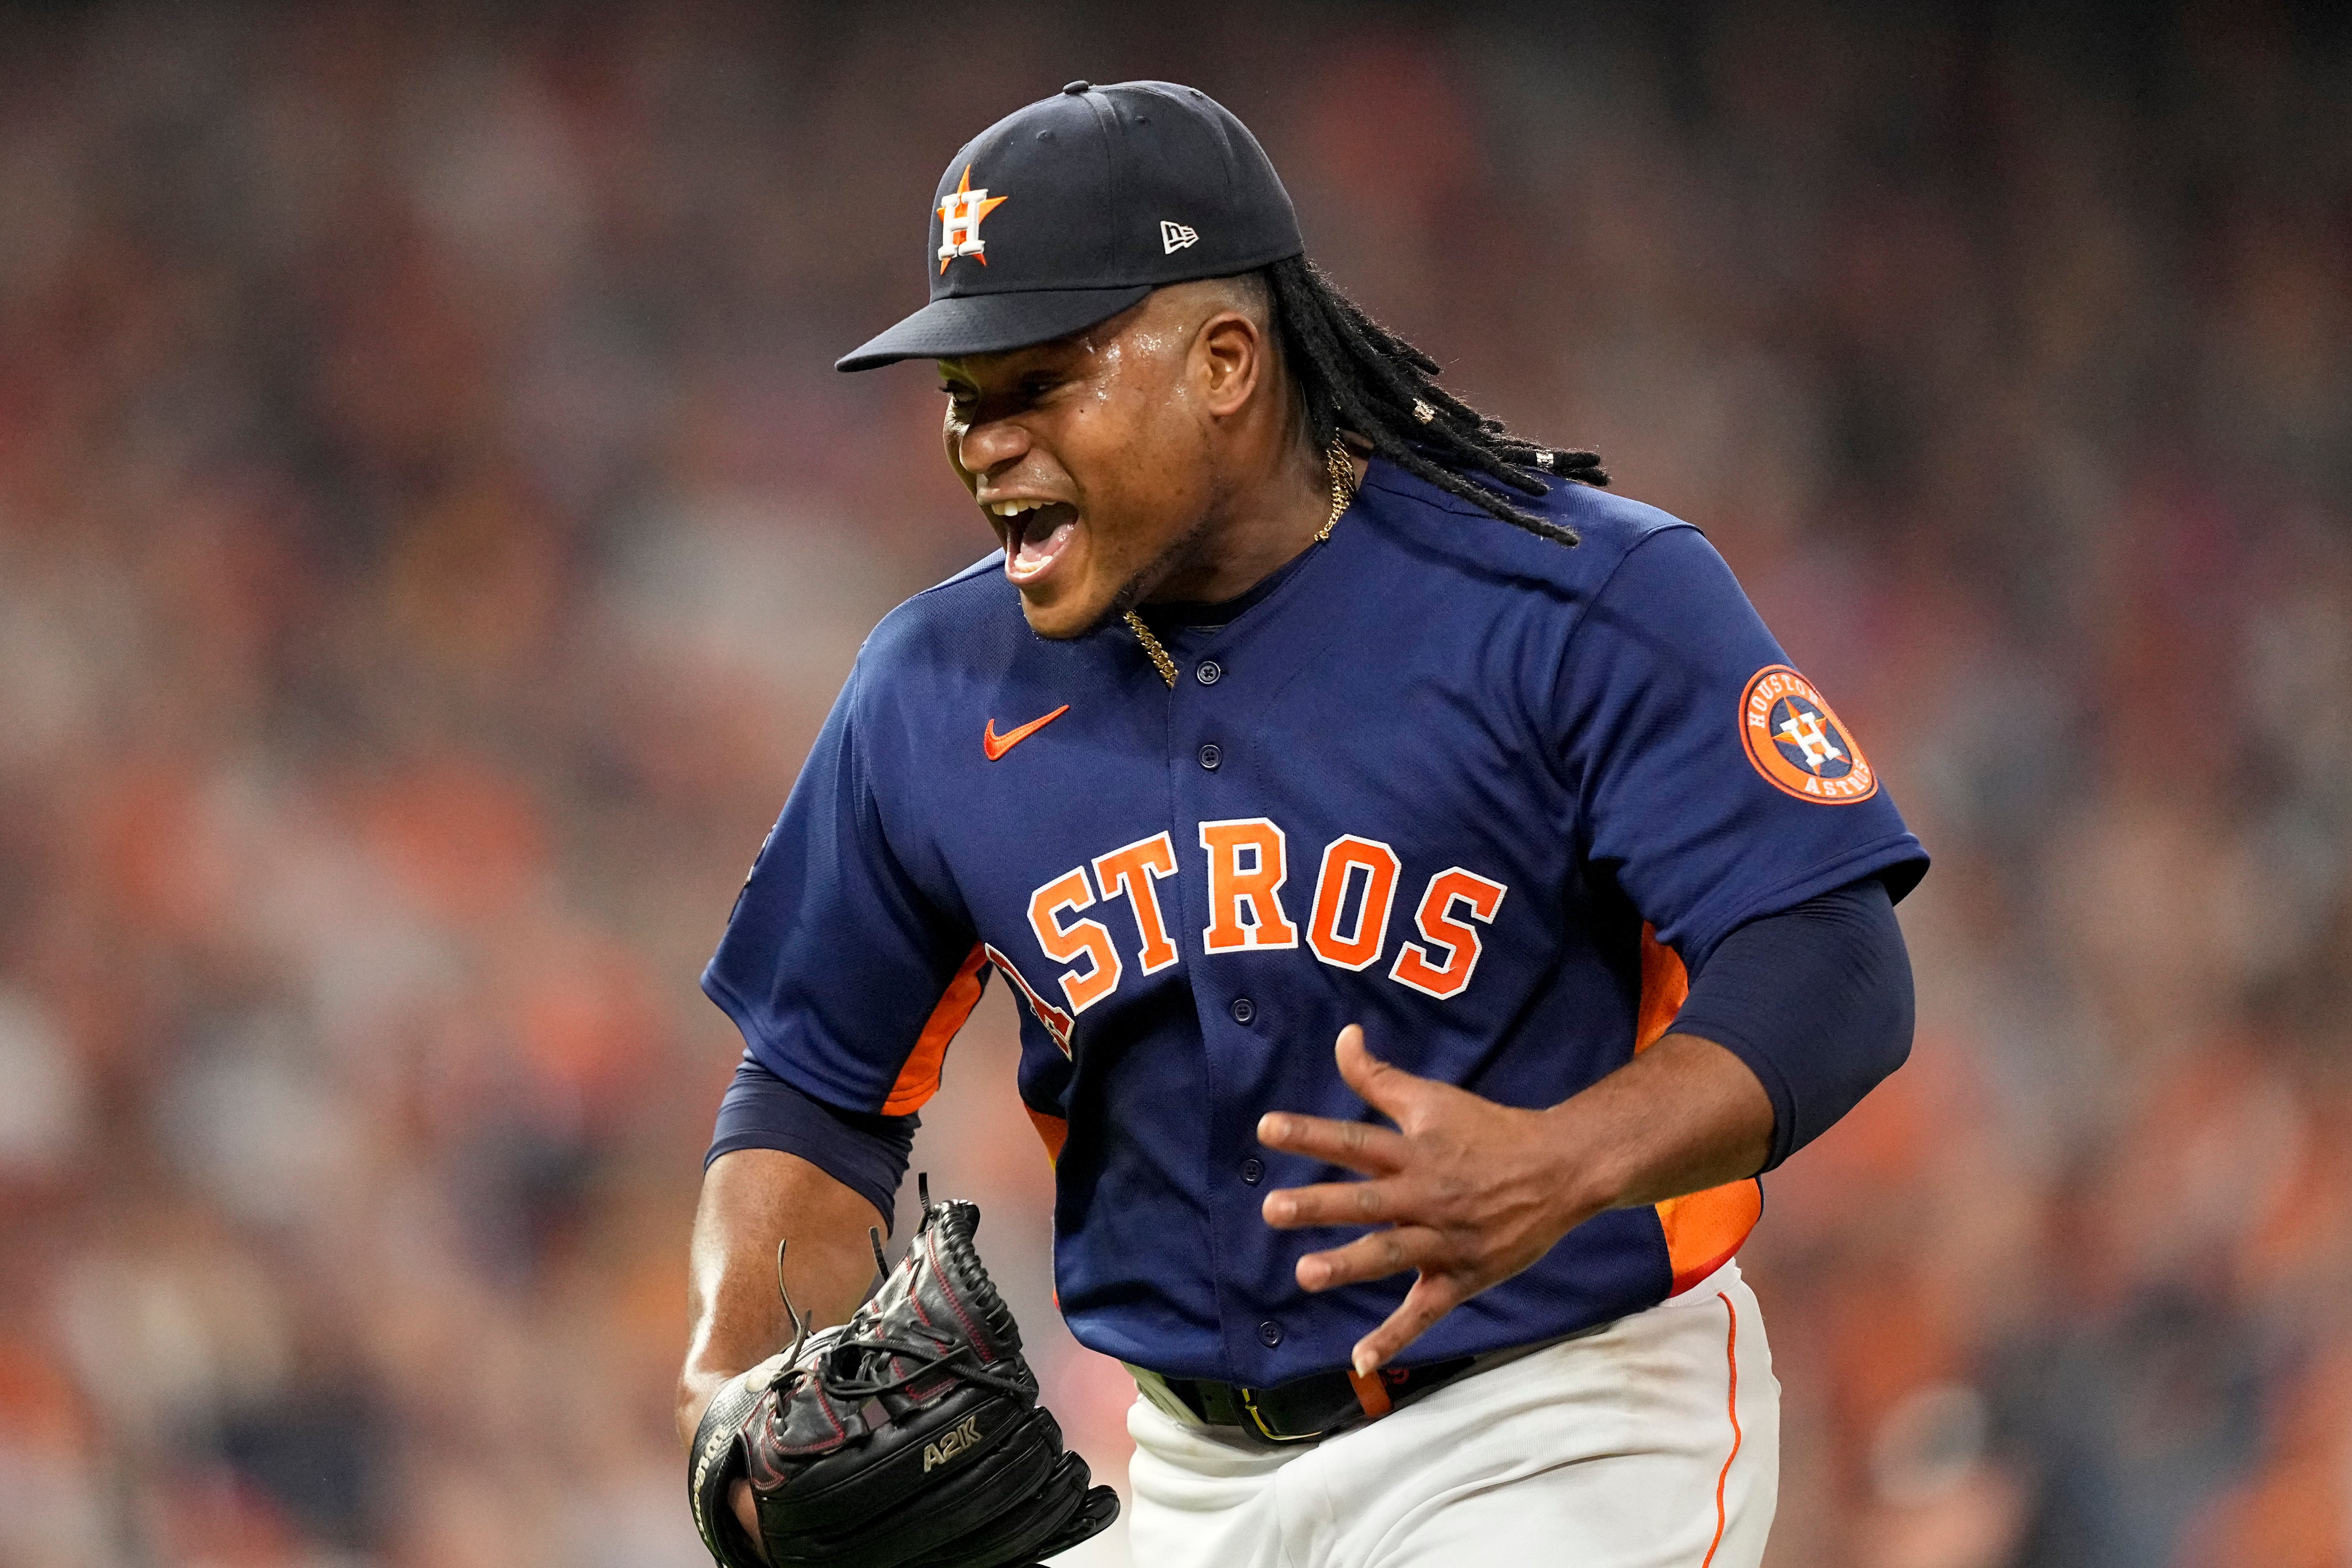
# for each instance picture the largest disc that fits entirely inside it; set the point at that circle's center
(1653, 1444)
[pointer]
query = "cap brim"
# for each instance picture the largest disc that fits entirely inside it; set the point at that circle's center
(991, 323)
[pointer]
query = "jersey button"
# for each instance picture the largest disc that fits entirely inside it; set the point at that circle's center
(1269, 1333)
(1252, 1170)
(1211, 756)
(1209, 672)
(1244, 1009)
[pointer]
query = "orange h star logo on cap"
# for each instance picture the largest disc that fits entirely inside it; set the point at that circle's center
(959, 217)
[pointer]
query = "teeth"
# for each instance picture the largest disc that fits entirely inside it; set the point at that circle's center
(1014, 507)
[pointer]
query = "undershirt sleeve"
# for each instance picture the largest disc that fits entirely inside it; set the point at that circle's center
(1816, 999)
(864, 1150)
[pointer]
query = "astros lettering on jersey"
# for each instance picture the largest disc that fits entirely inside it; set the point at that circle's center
(1480, 794)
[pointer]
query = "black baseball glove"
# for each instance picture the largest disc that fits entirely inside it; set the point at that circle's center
(910, 1437)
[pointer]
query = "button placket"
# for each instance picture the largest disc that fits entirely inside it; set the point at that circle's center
(1231, 1043)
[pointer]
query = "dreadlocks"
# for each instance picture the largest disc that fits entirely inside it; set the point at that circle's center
(1358, 376)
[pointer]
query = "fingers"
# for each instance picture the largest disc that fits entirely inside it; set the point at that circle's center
(1355, 1145)
(1375, 1151)
(1373, 1257)
(1431, 1297)
(1332, 1202)
(1438, 1210)
(1405, 1098)
(1365, 1073)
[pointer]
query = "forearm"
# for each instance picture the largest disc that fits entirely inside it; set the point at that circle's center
(1792, 1020)
(1681, 1117)
(751, 1199)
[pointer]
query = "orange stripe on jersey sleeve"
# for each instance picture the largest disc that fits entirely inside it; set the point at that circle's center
(1703, 1229)
(919, 1078)
(1054, 1130)
(1665, 986)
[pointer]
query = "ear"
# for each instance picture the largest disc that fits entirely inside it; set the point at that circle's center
(1229, 361)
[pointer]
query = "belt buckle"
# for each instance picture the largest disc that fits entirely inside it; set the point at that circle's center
(1257, 1419)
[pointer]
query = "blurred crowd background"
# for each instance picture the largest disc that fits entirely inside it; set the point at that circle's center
(431, 532)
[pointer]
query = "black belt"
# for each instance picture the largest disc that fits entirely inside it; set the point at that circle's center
(1317, 1406)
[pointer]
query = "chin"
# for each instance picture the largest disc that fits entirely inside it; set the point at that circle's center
(1065, 616)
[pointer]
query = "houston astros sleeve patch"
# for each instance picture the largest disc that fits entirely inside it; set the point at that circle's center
(1796, 742)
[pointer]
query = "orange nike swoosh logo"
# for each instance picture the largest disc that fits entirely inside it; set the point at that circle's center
(996, 745)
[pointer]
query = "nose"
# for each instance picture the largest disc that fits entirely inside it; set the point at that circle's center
(989, 446)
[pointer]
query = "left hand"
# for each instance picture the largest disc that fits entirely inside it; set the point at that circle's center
(1466, 1191)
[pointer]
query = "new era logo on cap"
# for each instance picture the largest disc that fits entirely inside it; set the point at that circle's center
(1175, 237)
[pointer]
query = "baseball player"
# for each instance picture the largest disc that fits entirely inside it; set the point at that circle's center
(1433, 897)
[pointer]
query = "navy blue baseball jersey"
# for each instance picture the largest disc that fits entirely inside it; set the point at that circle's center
(1488, 796)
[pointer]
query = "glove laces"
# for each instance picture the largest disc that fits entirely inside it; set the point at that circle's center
(843, 1369)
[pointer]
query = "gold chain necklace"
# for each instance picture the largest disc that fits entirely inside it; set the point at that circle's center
(1342, 471)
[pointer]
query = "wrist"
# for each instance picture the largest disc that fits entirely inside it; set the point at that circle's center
(1585, 1171)
(694, 1394)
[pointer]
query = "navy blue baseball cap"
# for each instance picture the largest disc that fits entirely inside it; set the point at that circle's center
(1067, 212)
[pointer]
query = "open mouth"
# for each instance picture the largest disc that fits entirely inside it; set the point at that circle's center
(1035, 533)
